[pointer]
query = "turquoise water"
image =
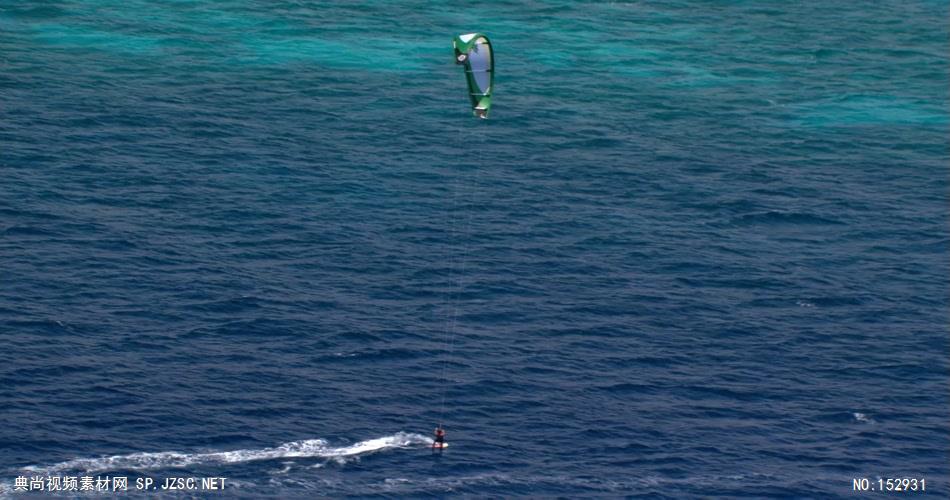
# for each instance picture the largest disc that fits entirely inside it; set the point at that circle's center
(700, 249)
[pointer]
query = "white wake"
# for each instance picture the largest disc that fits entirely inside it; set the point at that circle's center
(309, 448)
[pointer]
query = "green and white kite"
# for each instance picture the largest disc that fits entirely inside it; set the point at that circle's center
(475, 52)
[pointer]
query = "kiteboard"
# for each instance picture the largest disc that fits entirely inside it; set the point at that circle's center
(436, 446)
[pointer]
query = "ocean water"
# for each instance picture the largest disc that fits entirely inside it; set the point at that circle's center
(700, 249)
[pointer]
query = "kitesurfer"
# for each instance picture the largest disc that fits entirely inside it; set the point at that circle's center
(439, 436)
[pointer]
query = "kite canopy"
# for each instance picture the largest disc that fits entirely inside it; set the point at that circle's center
(475, 52)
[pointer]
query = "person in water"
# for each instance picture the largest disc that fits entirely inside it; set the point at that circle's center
(439, 436)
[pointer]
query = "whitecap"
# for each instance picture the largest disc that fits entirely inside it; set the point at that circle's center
(862, 417)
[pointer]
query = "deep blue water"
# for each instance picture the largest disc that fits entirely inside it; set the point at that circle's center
(700, 249)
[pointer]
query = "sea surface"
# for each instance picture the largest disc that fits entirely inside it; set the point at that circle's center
(700, 249)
